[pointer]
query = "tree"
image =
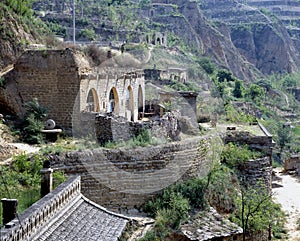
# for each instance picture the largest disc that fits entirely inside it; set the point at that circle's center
(284, 136)
(22, 7)
(256, 211)
(224, 75)
(145, 4)
(207, 65)
(255, 93)
(33, 122)
(239, 89)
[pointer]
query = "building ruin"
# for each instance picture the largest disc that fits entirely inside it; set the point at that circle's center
(64, 82)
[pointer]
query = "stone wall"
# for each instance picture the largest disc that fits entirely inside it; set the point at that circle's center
(292, 164)
(263, 142)
(112, 128)
(64, 82)
(125, 178)
(258, 171)
(50, 76)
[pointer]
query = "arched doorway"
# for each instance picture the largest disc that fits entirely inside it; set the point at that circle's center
(129, 104)
(92, 102)
(140, 102)
(113, 101)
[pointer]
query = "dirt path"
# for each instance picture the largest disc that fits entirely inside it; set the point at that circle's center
(287, 193)
(21, 147)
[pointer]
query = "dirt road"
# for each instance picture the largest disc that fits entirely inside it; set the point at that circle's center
(287, 193)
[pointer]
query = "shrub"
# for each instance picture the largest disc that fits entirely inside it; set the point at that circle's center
(235, 116)
(192, 190)
(234, 156)
(32, 130)
(33, 107)
(33, 122)
(207, 65)
(97, 55)
(2, 82)
(170, 211)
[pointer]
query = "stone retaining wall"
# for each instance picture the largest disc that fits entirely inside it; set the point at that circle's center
(258, 170)
(125, 178)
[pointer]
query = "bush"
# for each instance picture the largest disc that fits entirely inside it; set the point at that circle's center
(234, 116)
(170, 211)
(234, 156)
(97, 55)
(32, 130)
(33, 122)
(207, 65)
(22, 180)
(193, 190)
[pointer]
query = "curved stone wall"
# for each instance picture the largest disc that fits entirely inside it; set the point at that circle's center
(124, 178)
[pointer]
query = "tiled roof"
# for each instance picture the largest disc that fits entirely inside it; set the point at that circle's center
(65, 215)
(83, 220)
(209, 224)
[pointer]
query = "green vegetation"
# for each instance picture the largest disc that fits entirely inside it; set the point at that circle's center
(21, 180)
(207, 65)
(256, 212)
(33, 122)
(144, 138)
(179, 86)
(20, 7)
(2, 82)
(251, 208)
(88, 34)
(234, 116)
(234, 156)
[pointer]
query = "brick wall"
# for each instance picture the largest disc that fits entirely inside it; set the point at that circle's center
(125, 178)
(61, 80)
(52, 78)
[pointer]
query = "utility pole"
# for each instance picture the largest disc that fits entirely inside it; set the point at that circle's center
(74, 22)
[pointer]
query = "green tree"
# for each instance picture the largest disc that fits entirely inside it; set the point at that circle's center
(239, 89)
(21, 7)
(145, 3)
(88, 34)
(255, 93)
(224, 75)
(284, 135)
(256, 211)
(207, 65)
(33, 122)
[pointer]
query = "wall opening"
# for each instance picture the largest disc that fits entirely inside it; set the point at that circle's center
(113, 101)
(158, 41)
(129, 104)
(140, 103)
(92, 104)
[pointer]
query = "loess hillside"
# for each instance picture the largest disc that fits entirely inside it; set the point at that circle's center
(245, 37)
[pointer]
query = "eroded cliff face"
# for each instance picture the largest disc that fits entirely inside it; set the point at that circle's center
(242, 38)
(261, 39)
(191, 25)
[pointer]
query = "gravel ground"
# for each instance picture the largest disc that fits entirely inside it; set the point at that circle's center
(287, 193)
